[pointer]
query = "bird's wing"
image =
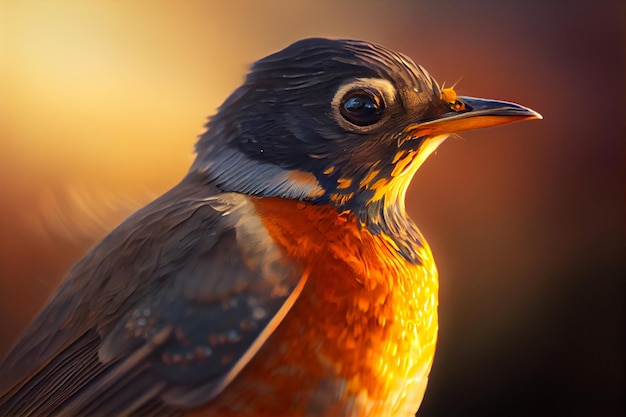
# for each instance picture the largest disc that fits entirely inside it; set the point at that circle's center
(160, 316)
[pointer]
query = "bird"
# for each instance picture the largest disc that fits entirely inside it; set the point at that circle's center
(282, 275)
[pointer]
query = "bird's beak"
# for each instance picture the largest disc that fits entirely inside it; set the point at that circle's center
(474, 113)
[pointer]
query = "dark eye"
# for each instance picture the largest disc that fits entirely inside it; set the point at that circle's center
(362, 107)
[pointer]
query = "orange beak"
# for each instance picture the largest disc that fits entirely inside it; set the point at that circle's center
(476, 113)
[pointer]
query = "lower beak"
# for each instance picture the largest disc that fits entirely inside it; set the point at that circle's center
(475, 113)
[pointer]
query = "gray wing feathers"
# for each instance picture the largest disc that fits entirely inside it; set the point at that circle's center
(191, 279)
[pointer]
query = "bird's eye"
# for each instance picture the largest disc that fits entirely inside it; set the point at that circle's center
(362, 107)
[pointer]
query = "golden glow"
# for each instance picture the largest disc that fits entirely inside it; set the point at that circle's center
(372, 174)
(397, 156)
(344, 183)
(379, 188)
(401, 164)
(84, 95)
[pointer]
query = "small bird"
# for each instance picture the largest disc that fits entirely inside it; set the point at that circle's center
(282, 275)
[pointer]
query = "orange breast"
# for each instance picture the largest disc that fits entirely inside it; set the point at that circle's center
(361, 337)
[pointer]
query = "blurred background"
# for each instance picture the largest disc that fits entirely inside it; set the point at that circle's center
(102, 101)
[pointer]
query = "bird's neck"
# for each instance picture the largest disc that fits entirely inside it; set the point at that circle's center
(387, 217)
(382, 210)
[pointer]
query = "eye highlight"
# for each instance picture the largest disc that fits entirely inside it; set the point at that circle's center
(362, 106)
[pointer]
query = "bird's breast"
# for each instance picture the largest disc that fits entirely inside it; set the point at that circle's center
(361, 337)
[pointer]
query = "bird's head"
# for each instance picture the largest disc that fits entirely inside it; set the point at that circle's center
(341, 122)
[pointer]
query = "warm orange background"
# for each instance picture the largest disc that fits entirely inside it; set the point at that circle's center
(101, 102)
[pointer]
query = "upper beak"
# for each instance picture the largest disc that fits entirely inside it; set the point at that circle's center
(477, 113)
